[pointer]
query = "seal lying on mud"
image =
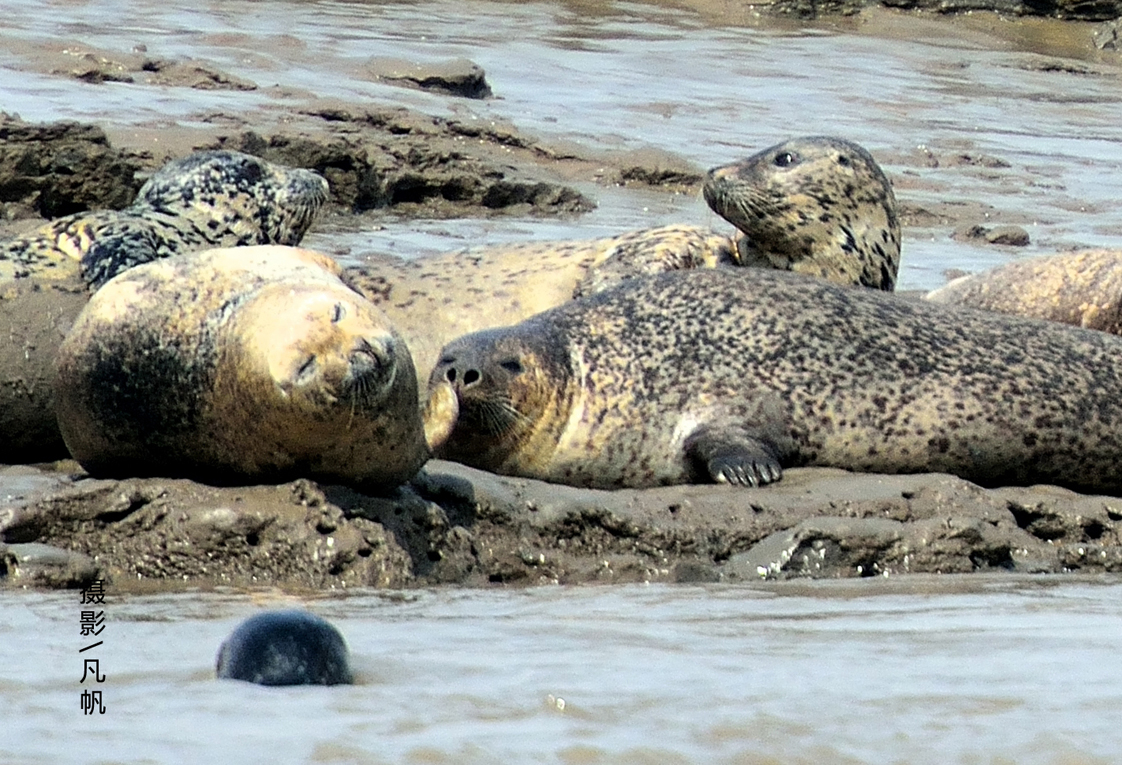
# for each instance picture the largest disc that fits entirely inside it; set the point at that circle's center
(699, 375)
(245, 364)
(1082, 288)
(434, 300)
(208, 199)
(285, 648)
(819, 206)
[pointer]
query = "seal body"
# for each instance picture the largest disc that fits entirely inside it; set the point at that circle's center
(237, 365)
(700, 376)
(207, 199)
(818, 205)
(435, 300)
(285, 648)
(1082, 288)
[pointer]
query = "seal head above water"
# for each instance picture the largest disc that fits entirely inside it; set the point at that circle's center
(819, 206)
(732, 376)
(285, 648)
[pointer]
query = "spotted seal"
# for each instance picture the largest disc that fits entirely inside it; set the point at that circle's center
(731, 377)
(1082, 288)
(207, 199)
(434, 300)
(285, 648)
(817, 205)
(244, 364)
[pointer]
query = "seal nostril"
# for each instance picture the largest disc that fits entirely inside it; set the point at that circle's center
(471, 376)
(451, 375)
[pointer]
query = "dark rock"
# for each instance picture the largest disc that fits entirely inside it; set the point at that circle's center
(1013, 236)
(457, 77)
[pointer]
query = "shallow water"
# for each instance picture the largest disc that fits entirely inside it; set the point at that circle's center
(981, 671)
(708, 85)
(933, 670)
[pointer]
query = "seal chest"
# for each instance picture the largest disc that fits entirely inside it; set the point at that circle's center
(731, 377)
(239, 364)
(819, 206)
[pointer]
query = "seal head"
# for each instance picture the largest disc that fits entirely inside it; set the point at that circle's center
(818, 205)
(237, 365)
(285, 648)
(208, 199)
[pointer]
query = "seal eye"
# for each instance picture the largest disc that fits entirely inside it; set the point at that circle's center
(512, 366)
(843, 160)
(337, 313)
(306, 368)
(785, 159)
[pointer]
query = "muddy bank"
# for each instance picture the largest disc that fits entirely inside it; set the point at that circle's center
(455, 525)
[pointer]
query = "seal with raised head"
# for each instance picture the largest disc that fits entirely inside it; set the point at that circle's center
(207, 199)
(245, 364)
(434, 300)
(285, 648)
(1082, 288)
(818, 205)
(703, 376)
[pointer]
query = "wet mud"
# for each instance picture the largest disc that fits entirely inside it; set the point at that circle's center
(457, 526)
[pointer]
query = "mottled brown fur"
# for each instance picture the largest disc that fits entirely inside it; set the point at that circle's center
(702, 376)
(818, 206)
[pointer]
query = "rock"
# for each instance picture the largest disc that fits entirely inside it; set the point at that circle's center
(456, 77)
(1013, 236)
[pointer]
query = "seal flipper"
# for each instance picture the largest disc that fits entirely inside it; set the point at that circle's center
(733, 457)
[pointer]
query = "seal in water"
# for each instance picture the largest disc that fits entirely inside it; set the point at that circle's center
(434, 300)
(285, 648)
(819, 206)
(1082, 288)
(699, 376)
(208, 199)
(245, 364)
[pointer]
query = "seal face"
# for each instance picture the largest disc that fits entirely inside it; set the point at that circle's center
(208, 199)
(1083, 288)
(285, 648)
(731, 377)
(818, 205)
(239, 364)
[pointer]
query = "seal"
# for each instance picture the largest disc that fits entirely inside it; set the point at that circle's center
(285, 648)
(1082, 288)
(434, 300)
(817, 205)
(703, 376)
(207, 199)
(244, 364)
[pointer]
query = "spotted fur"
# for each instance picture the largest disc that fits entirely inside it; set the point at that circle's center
(703, 376)
(208, 199)
(819, 206)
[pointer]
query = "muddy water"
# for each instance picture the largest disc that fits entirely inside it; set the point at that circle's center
(974, 673)
(929, 671)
